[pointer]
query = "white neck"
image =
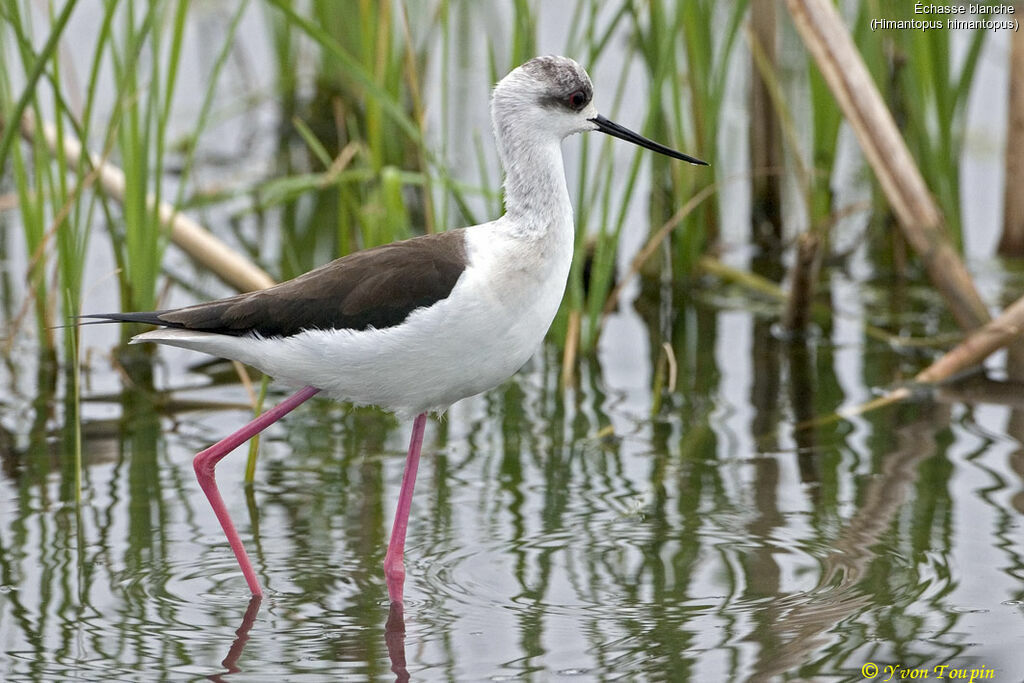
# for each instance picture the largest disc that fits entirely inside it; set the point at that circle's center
(536, 196)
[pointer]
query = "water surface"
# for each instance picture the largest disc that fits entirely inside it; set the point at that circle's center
(601, 531)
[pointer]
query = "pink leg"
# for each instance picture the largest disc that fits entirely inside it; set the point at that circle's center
(205, 462)
(394, 566)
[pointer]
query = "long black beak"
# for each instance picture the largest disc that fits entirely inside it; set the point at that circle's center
(621, 132)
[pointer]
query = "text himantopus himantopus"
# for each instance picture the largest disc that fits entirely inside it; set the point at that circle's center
(416, 325)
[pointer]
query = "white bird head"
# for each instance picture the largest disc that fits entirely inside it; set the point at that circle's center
(551, 98)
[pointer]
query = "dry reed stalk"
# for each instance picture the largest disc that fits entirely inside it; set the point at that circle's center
(1012, 241)
(195, 240)
(1005, 329)
(998, 333)
(828, 40)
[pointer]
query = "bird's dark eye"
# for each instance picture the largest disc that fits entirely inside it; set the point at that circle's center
(577, 100)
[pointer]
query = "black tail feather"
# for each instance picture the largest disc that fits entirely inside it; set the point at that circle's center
(148, 318)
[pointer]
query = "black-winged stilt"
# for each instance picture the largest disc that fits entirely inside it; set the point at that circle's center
(416, 325)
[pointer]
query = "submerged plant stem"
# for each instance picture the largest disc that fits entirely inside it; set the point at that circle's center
(254, 442)
(803, 282)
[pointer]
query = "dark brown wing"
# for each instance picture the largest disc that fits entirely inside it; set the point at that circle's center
(377, 287)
